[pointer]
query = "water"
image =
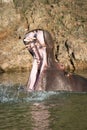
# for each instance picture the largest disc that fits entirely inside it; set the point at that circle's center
(39, 110)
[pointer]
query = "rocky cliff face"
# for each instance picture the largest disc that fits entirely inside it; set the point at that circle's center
(66, 20)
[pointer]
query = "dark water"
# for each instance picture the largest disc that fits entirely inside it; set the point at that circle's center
(39, 110)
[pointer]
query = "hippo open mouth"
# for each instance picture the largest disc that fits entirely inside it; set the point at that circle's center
(37, 48)
(46, 74)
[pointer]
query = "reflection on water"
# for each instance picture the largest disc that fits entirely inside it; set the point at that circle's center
(40, 116)
(39, 110)
(60, 111)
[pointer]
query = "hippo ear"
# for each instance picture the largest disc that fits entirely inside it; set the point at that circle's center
(48, 39)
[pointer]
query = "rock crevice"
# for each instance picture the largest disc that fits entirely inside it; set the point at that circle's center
(65, 20)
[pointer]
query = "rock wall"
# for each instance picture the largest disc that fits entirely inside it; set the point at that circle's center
(66, 20)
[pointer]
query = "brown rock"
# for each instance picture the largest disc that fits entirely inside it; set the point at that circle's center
(66, 20)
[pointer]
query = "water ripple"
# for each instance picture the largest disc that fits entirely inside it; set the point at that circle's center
(13, 93)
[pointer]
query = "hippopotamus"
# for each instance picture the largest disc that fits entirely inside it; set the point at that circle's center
(46, 73)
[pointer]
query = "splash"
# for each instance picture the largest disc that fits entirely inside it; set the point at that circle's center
(16, 93)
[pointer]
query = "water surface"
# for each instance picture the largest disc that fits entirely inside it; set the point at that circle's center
(39, 110)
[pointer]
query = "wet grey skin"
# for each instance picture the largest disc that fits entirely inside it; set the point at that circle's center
(46, 73)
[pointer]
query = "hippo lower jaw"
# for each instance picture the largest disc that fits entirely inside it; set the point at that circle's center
(39, 65)
(33, 76)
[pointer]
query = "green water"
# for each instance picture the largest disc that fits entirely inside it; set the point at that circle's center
(39, 110)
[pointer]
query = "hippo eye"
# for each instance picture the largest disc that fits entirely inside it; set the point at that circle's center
(35, 35)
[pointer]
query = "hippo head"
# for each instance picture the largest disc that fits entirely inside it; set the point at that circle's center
(37, 41)
(40, 45)
(45, 71)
